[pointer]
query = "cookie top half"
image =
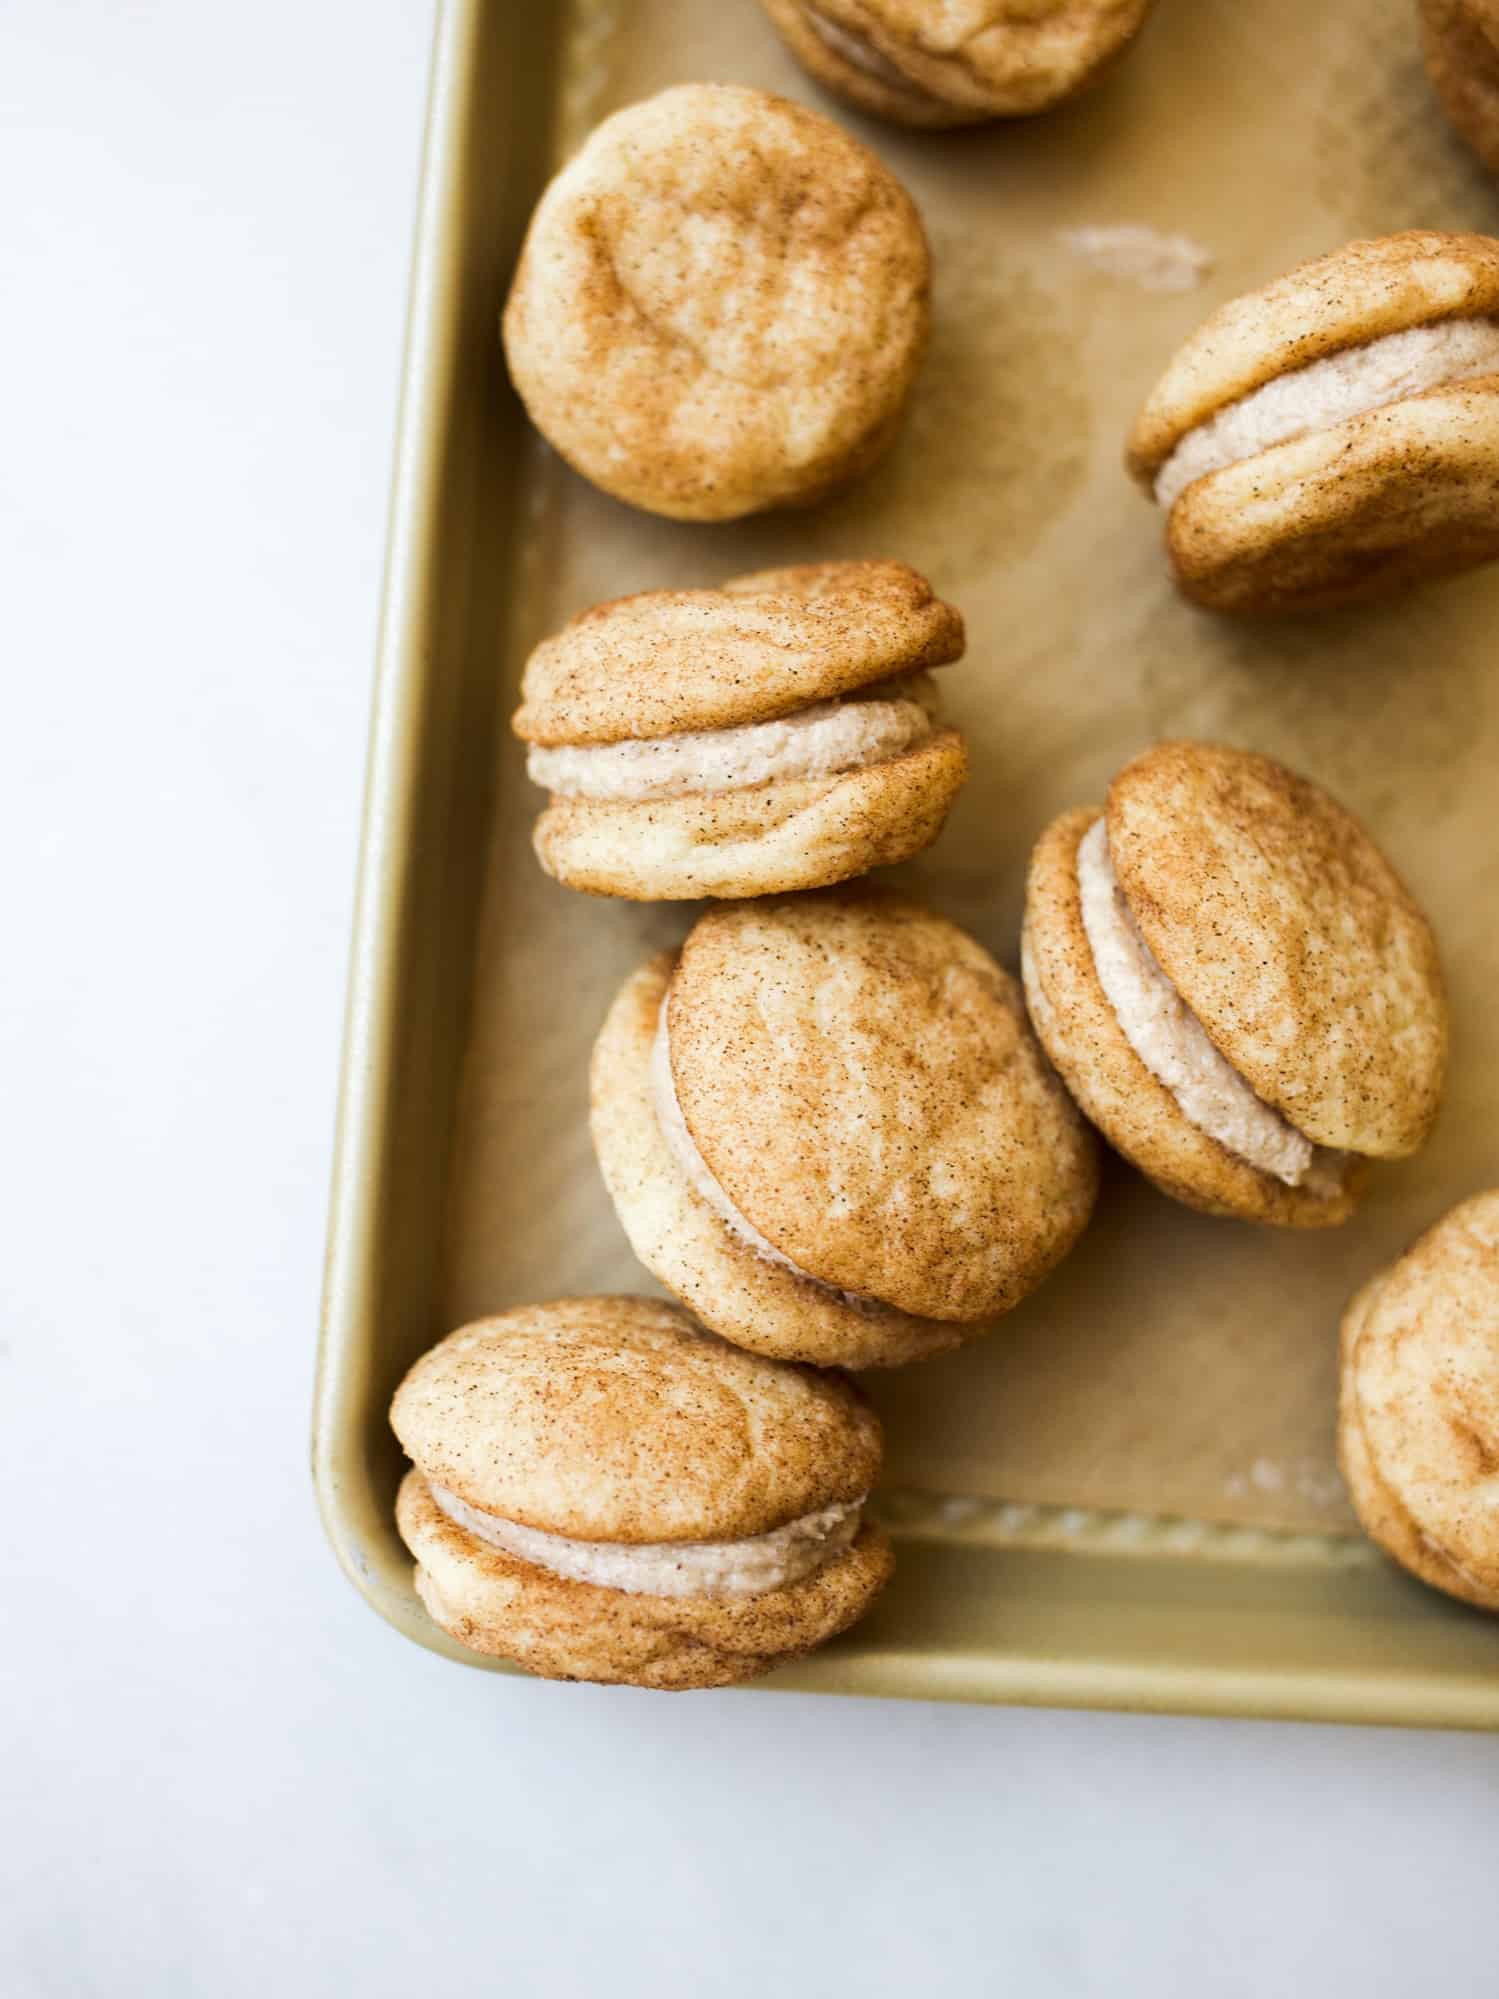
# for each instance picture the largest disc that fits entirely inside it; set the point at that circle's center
(1368, 288)
(1291, 939)
(620, 1419)
(862, 1081)
(761, 646)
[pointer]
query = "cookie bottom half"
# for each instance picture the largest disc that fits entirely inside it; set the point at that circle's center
(1377, 504)
(766, 839)
(564, 1630)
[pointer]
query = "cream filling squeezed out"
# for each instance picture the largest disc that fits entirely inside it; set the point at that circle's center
(848, 733)
(747, 1567)
(1171, 1041)
(1330, 391)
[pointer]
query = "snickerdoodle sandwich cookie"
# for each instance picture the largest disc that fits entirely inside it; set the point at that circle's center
(1460, 41)
(827, 1127)
(925, 63)
(603, 1491)
(1235, 984)
(778, 733)
(720, 306)
(1335, 435)
(1418, 1412)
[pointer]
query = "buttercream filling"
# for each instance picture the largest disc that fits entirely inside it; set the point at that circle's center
(849, 733)
(1173, 1044)
(747, 1567)
(1330, 391)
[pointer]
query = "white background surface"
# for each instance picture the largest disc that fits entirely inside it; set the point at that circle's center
(222, 1775)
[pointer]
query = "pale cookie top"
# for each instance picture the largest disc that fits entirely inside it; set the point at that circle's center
(1290, 937)
(722, 299)
(666, 662)
(1426, 1377)
(989, 56)
(619, 1419)
(1360, 292)
(862, 1082)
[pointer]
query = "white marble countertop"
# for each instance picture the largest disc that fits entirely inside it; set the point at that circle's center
(223, 1776)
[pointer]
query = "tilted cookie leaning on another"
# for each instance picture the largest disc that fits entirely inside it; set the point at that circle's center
(1418, 1411)
(603, 1491)
(936, 63)
(827, 1127)
(720, 305)
(1235, 985)
(1335, 435)
(778, 733)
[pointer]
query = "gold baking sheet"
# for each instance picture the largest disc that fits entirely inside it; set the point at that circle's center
(1055, 1491)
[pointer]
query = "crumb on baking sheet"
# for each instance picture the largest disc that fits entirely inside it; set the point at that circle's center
(1141, 255)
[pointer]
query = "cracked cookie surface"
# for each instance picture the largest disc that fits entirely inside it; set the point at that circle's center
(720, 306)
